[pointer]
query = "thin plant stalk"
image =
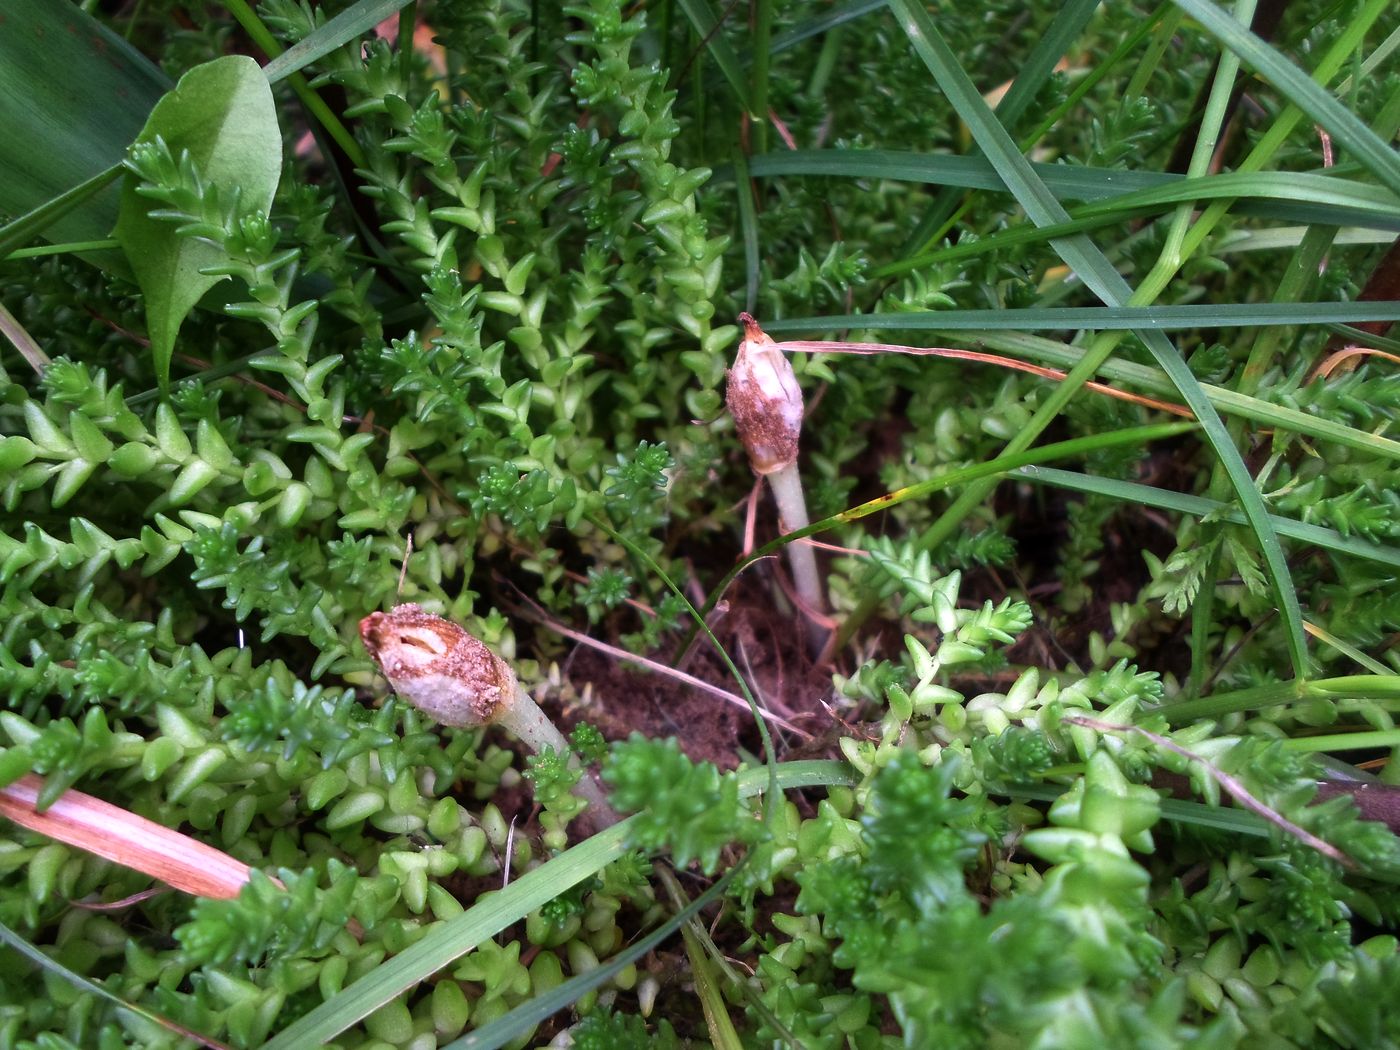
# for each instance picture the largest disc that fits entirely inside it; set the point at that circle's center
(792, 515)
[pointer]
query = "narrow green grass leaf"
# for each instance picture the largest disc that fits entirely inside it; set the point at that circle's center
(708, 990)
(159, 1025)
(1065, 29)
(1272, 694)
(452, 939)
(1290, 196)
(455, 937)
(1282, 237)
(748, 225)
(1094, 269)
(1345, 127)
(1346, 649)
(24, 229)
(1177, 810)
(696, 933)
(355, 21)
(1363, 741)
(1200, 507)
(223, 114)
(761, 33)
(1149, 380)
(1353, 198)
(707, 27)
(1057, 41)
(835, 16)
(1102, 318)
(1361, 338)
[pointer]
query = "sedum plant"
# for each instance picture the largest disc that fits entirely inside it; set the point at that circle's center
(462, 288)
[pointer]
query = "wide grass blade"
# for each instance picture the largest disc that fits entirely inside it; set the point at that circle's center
(73, 95)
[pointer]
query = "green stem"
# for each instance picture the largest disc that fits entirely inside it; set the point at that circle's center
(315, 105)
(1348, 687)
(1344, 741)
(762, 45)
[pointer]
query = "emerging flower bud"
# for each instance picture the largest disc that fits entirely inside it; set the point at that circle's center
(438, 667)
(765, 401)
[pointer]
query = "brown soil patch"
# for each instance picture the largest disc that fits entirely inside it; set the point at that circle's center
(765, 642)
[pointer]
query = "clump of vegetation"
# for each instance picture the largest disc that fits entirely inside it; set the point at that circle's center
(339, 351)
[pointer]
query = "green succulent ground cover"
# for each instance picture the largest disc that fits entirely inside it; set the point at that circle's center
(447, 321)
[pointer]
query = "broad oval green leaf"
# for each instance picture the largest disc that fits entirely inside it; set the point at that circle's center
(222, 114)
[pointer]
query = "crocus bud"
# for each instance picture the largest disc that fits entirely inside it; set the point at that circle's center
(765, 401)
(438, 667)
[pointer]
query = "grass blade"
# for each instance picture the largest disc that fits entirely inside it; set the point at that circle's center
(1150, 380)
(748, 224)
(453, 939)
(460, 934)
(1200, 507)
(1104, 318)
(708, 29)
(69, 109)
(1377, 156)
(1053, 45)
(1100, 276)
(525, 1017)
(1290, 196)
(354, 21)
(45, 962)
(992, 468)
(29, 225)
(1057, 40)
(823, 23)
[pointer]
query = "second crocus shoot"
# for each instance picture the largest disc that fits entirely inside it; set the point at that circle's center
(767, 406)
